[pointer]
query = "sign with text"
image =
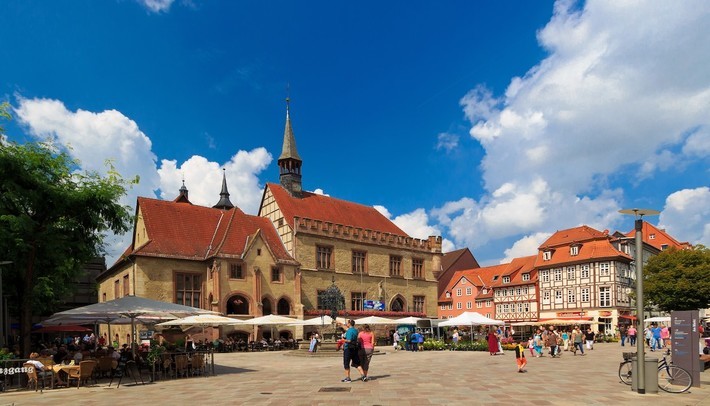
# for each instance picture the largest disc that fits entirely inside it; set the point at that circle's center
(374, 305)
(685, 338)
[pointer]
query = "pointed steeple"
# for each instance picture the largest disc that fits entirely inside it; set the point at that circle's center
(224, 202)
(289, 161)
(183, 195)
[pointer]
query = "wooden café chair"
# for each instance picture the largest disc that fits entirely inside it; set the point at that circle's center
(83, 373)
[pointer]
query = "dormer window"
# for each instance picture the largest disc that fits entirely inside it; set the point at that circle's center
(664, 247)
(652, 236)
(526, 276)
(574, 250)
(547, 255)
(448, 294)
(506, 279)
(485, 291)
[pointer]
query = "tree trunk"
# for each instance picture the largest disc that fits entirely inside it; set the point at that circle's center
(26, 306)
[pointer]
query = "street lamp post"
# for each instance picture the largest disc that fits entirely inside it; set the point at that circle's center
(2, 308)
(638, 258)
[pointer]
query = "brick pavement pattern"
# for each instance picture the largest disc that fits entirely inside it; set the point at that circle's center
(397, 378)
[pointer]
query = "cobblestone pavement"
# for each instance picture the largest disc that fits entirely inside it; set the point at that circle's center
(397, 378)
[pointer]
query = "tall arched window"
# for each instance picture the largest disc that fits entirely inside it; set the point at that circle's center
(398, 305)
(283, 307)
(266, 307)
(237, 304)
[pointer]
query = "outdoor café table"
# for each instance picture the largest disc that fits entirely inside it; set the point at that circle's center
(67, 369)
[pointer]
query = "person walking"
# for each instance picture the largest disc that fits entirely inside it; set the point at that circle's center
(351, 354)
(455, 336)
(589, 338)
(622, 334)
(531, 346)
(565, 340)
(492, 342)
(551, 341)
(665, 335)
(366, 339)
(537, 343)
(577, 340)
(313, 348)
(656, 329)
(520, 357)
(414, 342)
(632, 335)
(395, 340)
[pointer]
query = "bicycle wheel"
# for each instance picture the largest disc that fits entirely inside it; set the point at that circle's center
(625, 372)
(674, 379)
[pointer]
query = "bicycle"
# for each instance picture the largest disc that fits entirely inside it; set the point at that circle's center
(671, 378)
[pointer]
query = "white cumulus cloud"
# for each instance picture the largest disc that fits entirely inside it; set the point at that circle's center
(686, 215)
(94, 137)
(610, 97)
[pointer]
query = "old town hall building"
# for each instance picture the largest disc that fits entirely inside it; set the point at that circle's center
(276, 262)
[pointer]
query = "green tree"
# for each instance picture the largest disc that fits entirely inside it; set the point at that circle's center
(53, 218)
(678, 279)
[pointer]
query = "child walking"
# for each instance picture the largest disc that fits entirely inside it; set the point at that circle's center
(520, 357)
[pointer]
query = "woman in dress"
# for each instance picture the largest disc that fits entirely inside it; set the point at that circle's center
(367, 346)
(492, 342)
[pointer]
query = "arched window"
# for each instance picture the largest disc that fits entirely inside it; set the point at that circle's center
(398, 305)
(237, 304)
(283, 307)
(266, 307)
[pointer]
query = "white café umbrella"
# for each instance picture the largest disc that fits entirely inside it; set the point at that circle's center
(132, 308)
(273, 320)
(470, 318)
(408, 320)
(374, 320)
(202, 320)
(316, 321)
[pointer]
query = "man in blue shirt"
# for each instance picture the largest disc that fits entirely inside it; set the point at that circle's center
(351, 350)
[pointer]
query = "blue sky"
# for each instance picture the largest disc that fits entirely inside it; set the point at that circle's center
(490, 123)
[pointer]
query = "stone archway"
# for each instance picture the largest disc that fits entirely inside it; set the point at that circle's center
(283, 307)
(237, 304)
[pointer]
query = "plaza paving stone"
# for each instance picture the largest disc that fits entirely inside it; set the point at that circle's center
(397, 378)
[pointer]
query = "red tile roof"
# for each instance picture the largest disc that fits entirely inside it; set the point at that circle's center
(660, 237)
(570, 235)
(479, 277)
(593, 244)
(336, 211)
(517, 267)
(183, 230)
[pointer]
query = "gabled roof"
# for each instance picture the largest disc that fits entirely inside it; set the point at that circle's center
(516, 268)
(178, 230)
(479, 277)
(589, 250)
(451, 262)
(571, 235)
(660, 237)
(336, 211)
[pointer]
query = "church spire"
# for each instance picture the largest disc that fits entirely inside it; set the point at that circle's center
(182, 196)
(224, 202)
(289, 161)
